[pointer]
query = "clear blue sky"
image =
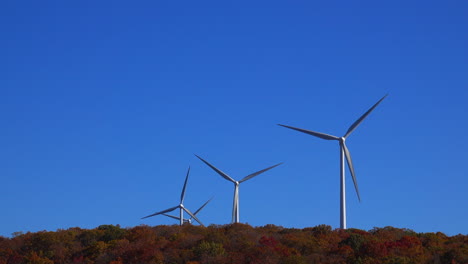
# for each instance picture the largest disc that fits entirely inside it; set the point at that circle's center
(102, 106)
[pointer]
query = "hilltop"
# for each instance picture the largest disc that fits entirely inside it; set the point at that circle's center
(236, 243)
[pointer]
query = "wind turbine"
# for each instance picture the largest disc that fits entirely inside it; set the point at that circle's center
(344, 152)
(195, 213)
(180, 206)
(235, 206)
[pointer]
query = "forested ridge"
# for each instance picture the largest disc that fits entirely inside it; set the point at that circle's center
(236, 243)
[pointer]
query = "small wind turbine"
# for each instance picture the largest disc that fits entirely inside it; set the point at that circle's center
(344, 152)
(235, 207)
(195, 213)
(180, 206)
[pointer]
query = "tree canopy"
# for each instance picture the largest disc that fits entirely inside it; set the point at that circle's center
(236, 243)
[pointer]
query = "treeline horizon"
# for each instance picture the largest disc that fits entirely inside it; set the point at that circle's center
(233, 243)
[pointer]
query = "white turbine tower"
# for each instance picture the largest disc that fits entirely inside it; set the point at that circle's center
(344, 152)
(235, 207)
(195, 213)
(180, 206)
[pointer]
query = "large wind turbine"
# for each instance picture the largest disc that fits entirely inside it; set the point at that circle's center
(180, 206)
(195, 213)
(235, 207)
(344, 152)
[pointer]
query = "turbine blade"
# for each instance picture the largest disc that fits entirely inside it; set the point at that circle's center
(171, 216)
(201, 207)
(248, 177)
(313, 133)
(357, 122)
(182, 195)
(193, 216)
(351, 169)
(162, 212)
(224, 175)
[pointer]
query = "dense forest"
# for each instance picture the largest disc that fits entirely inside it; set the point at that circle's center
(236, 243)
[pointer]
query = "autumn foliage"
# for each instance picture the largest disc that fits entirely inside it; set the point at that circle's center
(237, 243)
